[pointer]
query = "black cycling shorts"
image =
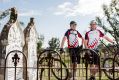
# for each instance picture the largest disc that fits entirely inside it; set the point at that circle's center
(75, 55)
(94, 57)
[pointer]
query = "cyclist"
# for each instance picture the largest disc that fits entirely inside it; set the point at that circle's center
(72, 36)
(92, 38)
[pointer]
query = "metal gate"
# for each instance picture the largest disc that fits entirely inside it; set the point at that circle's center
(49, 65)
(52, 66)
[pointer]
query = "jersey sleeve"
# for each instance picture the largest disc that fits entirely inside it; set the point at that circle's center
(101, 34)
(66, 33)
(86, 36)
(79, 35)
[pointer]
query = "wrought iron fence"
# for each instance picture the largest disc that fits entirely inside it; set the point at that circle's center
(53, 66)
(50, 64)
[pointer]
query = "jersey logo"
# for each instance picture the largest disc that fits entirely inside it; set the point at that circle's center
(94, 37)
(73, 39)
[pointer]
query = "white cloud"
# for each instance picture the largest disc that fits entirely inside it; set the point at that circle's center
(30, 13)
(5, 0)
(82, 7)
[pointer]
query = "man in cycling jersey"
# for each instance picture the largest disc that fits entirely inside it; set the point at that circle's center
(72, 36)
(92, 38)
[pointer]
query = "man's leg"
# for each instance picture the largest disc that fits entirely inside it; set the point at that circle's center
(94, 65)
(73, 64)
(93, 69)
(73, 67)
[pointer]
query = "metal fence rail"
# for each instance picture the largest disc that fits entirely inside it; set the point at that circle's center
(52, 66)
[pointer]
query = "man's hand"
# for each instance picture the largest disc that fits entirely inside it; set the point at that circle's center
(62, 50)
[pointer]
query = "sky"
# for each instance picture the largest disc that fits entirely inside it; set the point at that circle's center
(52, 17)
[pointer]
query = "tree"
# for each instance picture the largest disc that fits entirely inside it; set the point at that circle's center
(54, 43)
(4, 14)
(7, 12)
(111, 13)
(40, 43)
(21, 23)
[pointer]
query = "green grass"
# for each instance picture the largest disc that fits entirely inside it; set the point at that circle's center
(81, 73)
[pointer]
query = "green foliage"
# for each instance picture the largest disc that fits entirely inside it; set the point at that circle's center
(54, 43)
(112, 18)
(21, 23)
(40, 43)
(4, 14)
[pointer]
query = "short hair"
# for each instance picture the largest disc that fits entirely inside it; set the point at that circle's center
(93, 21)
(73, 22)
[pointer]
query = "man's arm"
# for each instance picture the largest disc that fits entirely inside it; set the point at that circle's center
(86, 40)
(105, 37)
(108, 39)
(83, 40)
(85, 43)
(63, 41)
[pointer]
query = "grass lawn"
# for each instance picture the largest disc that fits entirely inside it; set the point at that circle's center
(80, 74)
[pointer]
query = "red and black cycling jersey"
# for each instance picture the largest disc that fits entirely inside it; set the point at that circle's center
(93, 37)
(72, 38)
